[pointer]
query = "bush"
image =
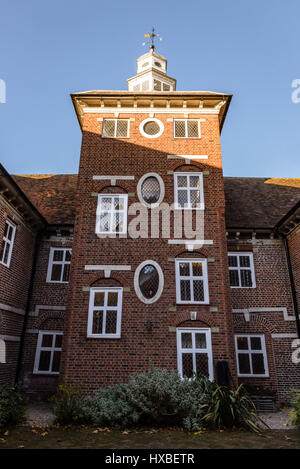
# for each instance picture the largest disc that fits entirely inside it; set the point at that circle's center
(295, 412)
(68, 404)
(12, 406)
(153, 397)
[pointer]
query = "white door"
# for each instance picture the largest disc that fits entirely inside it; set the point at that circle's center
(194, 352)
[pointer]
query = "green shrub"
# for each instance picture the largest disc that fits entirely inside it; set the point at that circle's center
(295, 412)
(12, 406)
(67, 403)
(228, 408)
(153, 397)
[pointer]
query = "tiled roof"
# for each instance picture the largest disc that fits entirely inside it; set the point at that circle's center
(259, 202)
(52, 194)
(250, 202)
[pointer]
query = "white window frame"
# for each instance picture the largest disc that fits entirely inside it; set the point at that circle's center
(161, 186)
(137, 288)
(100, 210)
(186, 127)
(51, 262)
(115, 131)
(151, 119)
(8, 243)
(249, 352)
(188, 188)
(52, 349)
(194, 350)
(104, 308)
(238, 268)
(204, 277)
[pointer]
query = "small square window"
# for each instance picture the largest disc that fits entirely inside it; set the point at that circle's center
(251, 355)
(59, 265)
(115, 128)
(105, 310)
(241, 270)
(187, 128)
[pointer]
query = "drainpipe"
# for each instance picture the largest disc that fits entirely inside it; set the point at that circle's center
(27, 308)
(292, 281)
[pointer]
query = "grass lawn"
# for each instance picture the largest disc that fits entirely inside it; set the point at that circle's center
(88, 437)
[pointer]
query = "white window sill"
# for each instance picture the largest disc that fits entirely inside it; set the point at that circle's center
(249, 288)
(103, 336)
(56, 281)
(253, 376)
(48, 373)
(192, 302)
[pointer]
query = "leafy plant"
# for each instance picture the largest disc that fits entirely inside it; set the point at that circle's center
(295, 412)
(67, 404)
(12, 406)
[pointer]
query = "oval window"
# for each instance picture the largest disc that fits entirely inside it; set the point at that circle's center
(151, 128)
(148, 281)
(151, 190)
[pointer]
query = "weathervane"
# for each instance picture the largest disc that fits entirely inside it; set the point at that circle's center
(152, 37)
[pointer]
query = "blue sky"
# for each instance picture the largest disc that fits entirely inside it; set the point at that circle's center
(247, 48)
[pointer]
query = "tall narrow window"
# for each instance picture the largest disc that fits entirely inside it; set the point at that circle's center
(105, 311)
(187, 128)
(194, 352)
(111, 217)
(48, 352)
(241, 270)
(191, 281)
(251, 355)
(115, 128)
(59, 265)
(7, 243)
(188, 189)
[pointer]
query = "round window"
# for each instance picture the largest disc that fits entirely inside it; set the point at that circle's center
(148, 281)
(151, 128)
(150, 190)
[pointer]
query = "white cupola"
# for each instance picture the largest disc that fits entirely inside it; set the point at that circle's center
(151, 74)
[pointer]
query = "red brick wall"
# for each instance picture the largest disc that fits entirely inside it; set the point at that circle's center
(14, 283)
(294, 247)
(104, 361)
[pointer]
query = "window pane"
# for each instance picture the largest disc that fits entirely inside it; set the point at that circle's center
(244, 261)
(187, 365)
(179, 129)
(47, 340)
(66, 273)
(246, 278)
(194, 181)
(58, 255)
(4, 252)
(182, 181)
(185, 290)
(44, 360)
(68, 256)
(150, 190)
(258, 363)
(202, 364)
(195, 198)
(193, 130)
(111, 322)
(99, 298)
(9, 232)
(197, 269)
(6, 229)
(157, 85)
(122, 128)
(118, 223)
(184, 269)
(149, 281)
(97, 322)
(198, 290)
(58, 341)
(56, 272)
(200, 340)
(105, 203)
(108, 128)
(242, 343)
(105, 222)
(182, 196)
(166, 87)
(255, 343)
(234, 278)
(186, 340)
(232, 261)
(244, 363)
(112, 299)
(118, 203)
(56, 361)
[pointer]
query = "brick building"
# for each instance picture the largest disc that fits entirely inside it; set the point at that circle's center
(149, 256)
